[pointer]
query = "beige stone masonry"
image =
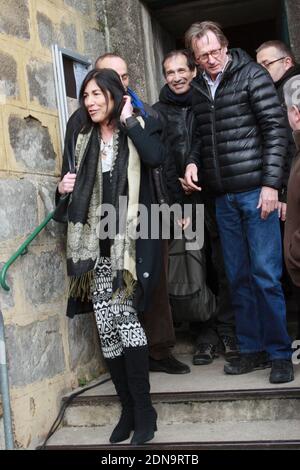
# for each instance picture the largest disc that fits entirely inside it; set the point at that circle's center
(45, 120)
(38, 280)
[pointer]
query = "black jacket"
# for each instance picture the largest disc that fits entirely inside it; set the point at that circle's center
(291, 150)
(177, 118)
(148, 251)
(240, 139)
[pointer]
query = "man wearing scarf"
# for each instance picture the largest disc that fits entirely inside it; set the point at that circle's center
(157, 321)
(174, 109)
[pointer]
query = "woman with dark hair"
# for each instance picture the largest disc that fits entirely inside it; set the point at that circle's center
(113, 154)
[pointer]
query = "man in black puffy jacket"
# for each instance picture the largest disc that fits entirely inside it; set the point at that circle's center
(239, 150)
(175, 111)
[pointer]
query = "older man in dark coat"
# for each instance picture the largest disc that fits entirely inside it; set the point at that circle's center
(239, 147)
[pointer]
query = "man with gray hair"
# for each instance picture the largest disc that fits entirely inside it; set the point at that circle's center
(291, 92)
(278, 59)
(238, 150)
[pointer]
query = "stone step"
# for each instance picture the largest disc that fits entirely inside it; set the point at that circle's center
(177, 411)
(209, 379)
(280, 434)
(206, 395)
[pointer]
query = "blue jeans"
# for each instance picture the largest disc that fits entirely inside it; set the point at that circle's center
(253, 262)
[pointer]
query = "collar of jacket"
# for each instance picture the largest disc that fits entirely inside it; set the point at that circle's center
(296, 135)
(291, 72)
(239, 59)
(167, 96)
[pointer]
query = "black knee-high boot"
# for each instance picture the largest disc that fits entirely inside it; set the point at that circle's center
(145, 416)
(118, 374)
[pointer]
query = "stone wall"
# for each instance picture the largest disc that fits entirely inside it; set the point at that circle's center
(136, 36)
(293, 16)
(47, 353)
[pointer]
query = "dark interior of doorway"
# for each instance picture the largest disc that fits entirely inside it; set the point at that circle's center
(250, 36)
(246, 23)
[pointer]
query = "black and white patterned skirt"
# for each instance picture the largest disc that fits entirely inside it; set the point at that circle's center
(117, 321)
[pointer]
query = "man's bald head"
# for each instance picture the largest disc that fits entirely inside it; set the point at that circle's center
(115, 62)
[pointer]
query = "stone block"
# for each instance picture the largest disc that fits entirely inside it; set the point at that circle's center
(83, 340)
(31, 143)
(46, 29)
(46, 192)
(83, 6)
(41, 83)
(129, 45)
(35, 351)
(293, 16)
(68, 35)
(94, 44)
(44, 277)
(18, 211)
(8, 75)
(7, 297)
(100, 11)
(14, 18)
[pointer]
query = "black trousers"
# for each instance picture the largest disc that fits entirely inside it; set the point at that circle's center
(157, 321)
(223, 323)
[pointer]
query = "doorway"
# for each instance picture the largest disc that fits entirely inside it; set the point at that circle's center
(246, 23)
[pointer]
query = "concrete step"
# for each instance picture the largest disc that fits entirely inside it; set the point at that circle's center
(210, 379)
(206, 395)
(205, 409)
(281, 434)
(177, 411)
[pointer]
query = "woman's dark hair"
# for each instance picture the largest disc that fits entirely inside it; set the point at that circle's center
(108, 81)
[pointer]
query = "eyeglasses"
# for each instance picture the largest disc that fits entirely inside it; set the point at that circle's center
(272, 62)
(215, 54)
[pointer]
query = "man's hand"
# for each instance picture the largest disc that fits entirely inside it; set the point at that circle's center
(184, 223)
(67, 183)
(282, 211)
(191, 177)
(268, 201)
(185, 187)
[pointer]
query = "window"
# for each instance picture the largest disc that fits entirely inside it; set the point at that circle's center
(70, 69)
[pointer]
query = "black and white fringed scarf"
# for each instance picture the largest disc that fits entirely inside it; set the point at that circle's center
(83, 248)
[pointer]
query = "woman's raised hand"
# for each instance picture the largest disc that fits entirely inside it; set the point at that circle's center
(127, 110)
(67, 183)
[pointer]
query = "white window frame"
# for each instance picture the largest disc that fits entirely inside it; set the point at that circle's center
(60, 84)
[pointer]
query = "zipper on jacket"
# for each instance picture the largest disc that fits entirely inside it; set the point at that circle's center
(214, 148)
(185, 118)
(215, 153)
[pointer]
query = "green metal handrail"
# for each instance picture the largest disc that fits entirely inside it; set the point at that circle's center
(22, 250)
